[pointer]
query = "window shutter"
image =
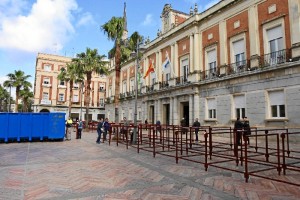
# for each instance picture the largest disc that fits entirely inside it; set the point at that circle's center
(239, 101)
(211, 56)
(274, 33)
(238, 47)
(276, 98)
(211, 103)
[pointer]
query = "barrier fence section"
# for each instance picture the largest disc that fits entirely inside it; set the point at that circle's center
(259, 154)
(29, 126)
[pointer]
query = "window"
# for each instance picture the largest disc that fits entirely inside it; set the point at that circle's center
(102, 88)
(75, 98)
(211, 63)
(61, 82)
(275, 45)
(61, 97)
(75, 85)
(153, 78)
(45, 96)
(46, 81)
(239, 103)
(185, 69)
(239, 54)
(167, 76)
(211, 107)
(124, 89)
(277, 105)
(47, 68)
(132, 84)
(101, 102)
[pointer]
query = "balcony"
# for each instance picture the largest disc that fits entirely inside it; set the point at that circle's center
(274, 58)
(163, 84)
(46, 84)
(209, 74)
(181, 80)
(102, 90)
(149, 88)
(46, 102)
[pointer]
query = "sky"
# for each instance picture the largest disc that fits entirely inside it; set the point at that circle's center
(68, 27)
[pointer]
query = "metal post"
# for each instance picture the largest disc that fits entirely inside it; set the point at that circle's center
(9, 108)
(136, 93)
(81, 101)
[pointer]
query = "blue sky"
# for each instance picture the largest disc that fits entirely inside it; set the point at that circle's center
(67, 27)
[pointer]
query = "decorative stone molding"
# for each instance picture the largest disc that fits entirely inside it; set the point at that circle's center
(254, 61)
(295, 51)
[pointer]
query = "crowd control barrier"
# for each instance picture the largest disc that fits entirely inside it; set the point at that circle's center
(29, 126)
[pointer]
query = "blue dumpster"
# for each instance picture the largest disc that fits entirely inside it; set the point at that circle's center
(29, 126)
(4, 127)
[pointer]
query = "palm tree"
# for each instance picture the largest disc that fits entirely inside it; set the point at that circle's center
(4, 97)
(17, 80)
(114, 29)
(26, 96)
(87, 63)
(70, 75)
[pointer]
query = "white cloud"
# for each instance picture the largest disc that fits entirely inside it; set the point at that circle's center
(211, 3)
(2, 79)
(148, 20)
(47, 23)
(86, 18)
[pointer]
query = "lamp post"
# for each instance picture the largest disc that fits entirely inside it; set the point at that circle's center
(136, 54)
(81, 101)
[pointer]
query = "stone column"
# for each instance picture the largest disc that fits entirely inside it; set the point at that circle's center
(196, 105)
(223, 43)
(192, 48)
(175, 111)
(159, 110)
(175, 56)
(294, 7)
(254, 36)
(191, 109)
(171, 111)
(196, 52)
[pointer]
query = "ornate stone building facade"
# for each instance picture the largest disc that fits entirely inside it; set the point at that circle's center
(52, 95)
(238, 58)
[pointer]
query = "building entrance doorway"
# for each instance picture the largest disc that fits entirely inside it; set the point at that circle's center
(185, 112)
(152, 114)
(166, 114)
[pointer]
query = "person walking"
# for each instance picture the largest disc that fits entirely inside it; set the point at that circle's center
(106, 126)
(247, 129)
(183, 125)
(238, 128)
(99, 130)
(80, 127)
(196, 126)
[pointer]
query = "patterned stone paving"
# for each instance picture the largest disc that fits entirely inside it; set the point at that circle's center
(82, 169)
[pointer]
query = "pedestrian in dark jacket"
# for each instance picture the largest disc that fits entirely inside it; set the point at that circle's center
(238, 127)
(106, 125)
(196, 125)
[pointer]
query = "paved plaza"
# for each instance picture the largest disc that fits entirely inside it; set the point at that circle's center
(82, 169)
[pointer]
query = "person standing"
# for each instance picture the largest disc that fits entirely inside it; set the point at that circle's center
(238, 128)
(196, 126)
(99, 130)
(146, 123)
(183, 125)
(106, 125)
(69, 123)
(80, 127)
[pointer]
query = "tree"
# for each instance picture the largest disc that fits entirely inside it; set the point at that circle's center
(87, 63)
(4, 99)
(26, 96)
(17, 80)
(70, 75)
(114, 29)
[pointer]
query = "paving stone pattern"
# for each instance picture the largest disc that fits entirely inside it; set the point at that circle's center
(82, 169)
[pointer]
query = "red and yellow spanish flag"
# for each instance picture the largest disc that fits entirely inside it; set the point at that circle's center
(150, 69)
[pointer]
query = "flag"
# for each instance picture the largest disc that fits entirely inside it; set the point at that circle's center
(166, 64)
(150, 69)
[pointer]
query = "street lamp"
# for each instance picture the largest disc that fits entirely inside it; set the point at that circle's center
(136, 55)
(82, 85)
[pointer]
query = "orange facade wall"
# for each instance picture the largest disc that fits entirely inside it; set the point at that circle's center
(282, 10)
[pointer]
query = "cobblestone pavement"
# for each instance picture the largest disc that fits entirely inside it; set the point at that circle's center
(82, 169)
